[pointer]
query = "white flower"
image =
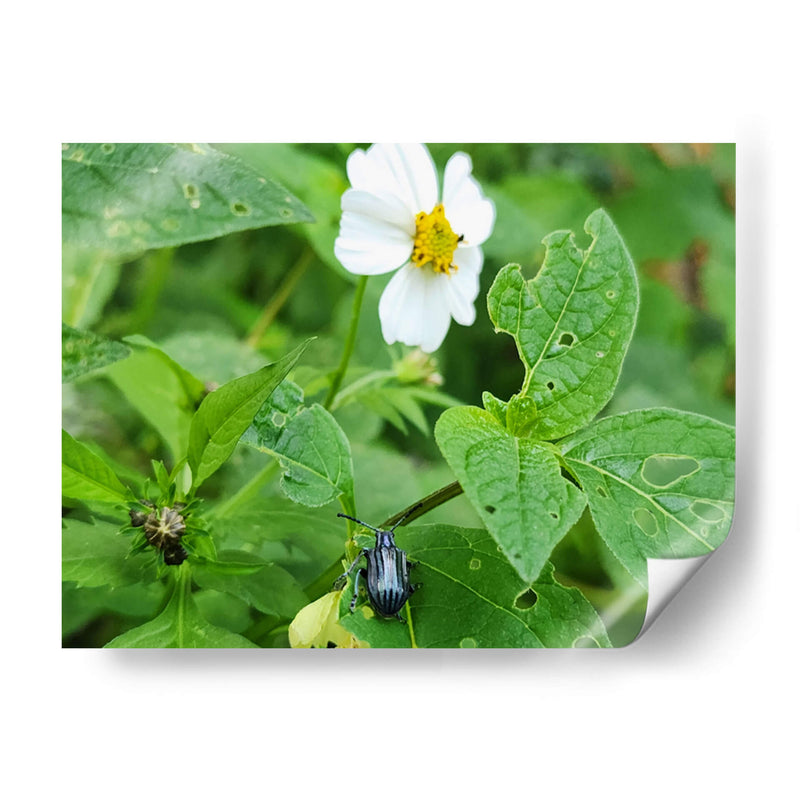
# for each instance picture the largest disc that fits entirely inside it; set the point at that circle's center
(394, 219)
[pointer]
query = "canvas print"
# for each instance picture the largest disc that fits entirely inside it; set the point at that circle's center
(390, 395)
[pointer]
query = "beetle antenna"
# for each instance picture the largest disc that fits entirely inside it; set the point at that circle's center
(377, 530)
(406, 516)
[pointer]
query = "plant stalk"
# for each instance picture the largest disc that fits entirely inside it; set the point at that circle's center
(427, 504)
(277, 300)
(349, 343)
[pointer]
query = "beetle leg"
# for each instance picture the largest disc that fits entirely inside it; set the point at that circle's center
(346, 574)
(362, 573)
(412, 564)
(413, 588)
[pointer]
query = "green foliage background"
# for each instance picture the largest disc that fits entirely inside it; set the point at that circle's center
(193, 315)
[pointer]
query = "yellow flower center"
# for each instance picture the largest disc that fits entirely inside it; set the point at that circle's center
(434, 241)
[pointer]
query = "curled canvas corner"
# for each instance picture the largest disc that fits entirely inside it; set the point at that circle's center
(666, 577)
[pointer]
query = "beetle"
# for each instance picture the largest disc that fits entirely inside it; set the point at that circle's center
(388, 587)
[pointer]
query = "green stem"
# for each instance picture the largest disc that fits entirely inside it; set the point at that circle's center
(526, 384)
(183, 588)
(247, 492)
(427, 504)
(349, 343)
(277, 300)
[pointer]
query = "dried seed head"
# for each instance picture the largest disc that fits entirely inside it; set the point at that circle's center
(164, 530)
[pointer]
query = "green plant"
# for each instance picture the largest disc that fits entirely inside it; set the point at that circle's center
(232, 542)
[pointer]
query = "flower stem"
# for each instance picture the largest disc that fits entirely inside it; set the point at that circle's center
(183, 588)
(349, 343)
(277, 300)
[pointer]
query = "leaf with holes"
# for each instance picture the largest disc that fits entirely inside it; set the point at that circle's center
(472, 597)
(83, 352)
(572, 324)
(226, 413)
(312, 449)
(660, 483)
(514, 484)
(130, 197)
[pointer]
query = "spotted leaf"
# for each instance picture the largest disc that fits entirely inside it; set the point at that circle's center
(660, 483)
(124, 198)
(572, 324)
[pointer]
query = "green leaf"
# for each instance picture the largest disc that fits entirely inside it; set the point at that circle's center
(472, 597)
(572, 324)
(517, 415)
(95, 554)
(162, 391)
(514, 484)
(268, 588)
(304, 541)
(83, 352)
(239, 562)
(660, 483)
(311, 448)
(136, 602)
(226, 413)
(130, 197)
(180, 624)
(85, 476)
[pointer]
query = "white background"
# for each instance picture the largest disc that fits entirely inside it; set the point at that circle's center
(705, 704)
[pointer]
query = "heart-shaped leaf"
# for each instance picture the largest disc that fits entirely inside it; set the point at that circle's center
(572, 324)
(514, 484)
(472, 597)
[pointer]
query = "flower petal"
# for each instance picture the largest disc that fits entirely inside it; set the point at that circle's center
(468, 259)
(463, 286)
(414, 308)
(387, 208)
(405, 171)
(367, 245)
(467, 210)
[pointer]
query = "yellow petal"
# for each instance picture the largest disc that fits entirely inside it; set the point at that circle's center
(317, 624)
